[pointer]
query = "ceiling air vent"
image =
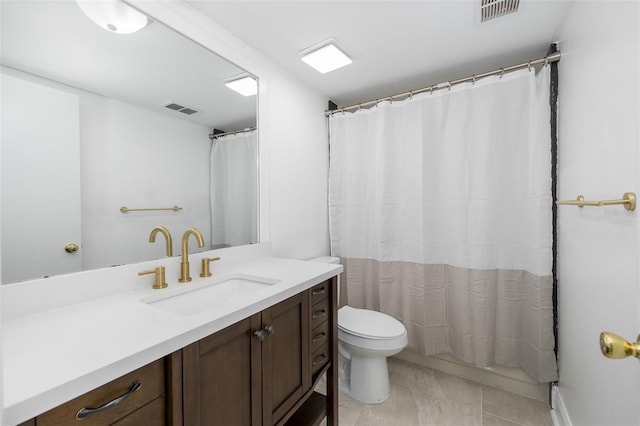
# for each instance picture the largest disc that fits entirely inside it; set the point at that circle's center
(492, 9)
(180, 108)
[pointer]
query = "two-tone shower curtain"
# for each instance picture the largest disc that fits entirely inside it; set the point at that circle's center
(234, 183)
(440, 207)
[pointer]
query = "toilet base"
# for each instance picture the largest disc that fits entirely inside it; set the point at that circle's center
(368, 379)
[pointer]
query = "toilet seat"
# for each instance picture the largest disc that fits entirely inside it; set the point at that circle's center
(369, 324)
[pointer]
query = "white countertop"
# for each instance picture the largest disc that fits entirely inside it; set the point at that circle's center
(56, 352)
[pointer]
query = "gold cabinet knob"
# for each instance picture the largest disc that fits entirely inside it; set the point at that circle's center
(71, 248)
(614, 346)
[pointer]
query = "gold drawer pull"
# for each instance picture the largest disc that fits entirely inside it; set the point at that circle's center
(318, 337)
(319, 314)
(319, 360)
(85, 411)
(319, 291)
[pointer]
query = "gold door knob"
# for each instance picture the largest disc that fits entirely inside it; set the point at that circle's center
(71, 248)
(614, 346)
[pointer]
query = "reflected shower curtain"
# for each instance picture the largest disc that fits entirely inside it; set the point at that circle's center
(234, 189)
(440, 208)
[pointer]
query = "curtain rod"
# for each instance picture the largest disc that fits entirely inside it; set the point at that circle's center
(213, 136)
(552, 57)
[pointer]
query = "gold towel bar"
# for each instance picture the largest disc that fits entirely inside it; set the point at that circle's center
(125, 209)
(628, 200)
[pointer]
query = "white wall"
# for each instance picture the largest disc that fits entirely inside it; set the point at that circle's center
(299, 165)
(598, 247)
(134, 157)
(131, 156)
(294, 149)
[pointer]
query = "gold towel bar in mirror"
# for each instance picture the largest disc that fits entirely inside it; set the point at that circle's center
(125, 209)
(628, 201)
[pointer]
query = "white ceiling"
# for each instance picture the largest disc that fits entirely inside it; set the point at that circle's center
(396, 46)
(154, 66)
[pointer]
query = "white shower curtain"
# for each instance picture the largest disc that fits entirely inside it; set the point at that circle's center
(440, 208)
(234, 183)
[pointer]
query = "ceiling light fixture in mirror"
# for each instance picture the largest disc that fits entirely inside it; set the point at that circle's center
(245, 85)
(114, 15)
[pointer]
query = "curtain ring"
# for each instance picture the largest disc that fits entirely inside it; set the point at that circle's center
(431, 90)
(546, 62)
(410, 95)
(501, 72)
(529, 67)
(473, 80)
(449, 83)
(359, 107)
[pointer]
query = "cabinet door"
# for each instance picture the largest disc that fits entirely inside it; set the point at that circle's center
(285, 351)
(221, 377)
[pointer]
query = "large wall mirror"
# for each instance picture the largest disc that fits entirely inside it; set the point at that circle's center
(94, 121)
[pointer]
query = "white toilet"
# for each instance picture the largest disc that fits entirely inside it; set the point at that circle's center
(365, 339)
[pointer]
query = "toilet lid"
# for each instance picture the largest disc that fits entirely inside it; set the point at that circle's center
(367, 323)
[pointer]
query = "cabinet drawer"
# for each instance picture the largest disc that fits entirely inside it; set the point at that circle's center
(319, 313)
(319, 336)
(150, 414)
(319, 292)
(319, 359)
(150, 378)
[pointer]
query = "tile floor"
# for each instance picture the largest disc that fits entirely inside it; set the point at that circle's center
(425, 397)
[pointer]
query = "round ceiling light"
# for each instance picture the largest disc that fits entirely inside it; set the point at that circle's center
(114, 15)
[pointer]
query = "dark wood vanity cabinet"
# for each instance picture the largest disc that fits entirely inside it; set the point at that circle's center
(261, 370)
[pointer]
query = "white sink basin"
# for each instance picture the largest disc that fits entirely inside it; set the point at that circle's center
(199, 298)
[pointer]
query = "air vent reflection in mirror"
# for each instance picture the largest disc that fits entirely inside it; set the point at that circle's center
(180, 108)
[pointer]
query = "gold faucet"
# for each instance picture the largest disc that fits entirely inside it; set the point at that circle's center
(167, 237)
(184, 265)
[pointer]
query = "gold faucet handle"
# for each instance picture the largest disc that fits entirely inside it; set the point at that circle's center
(205, 266)
(159, 274)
